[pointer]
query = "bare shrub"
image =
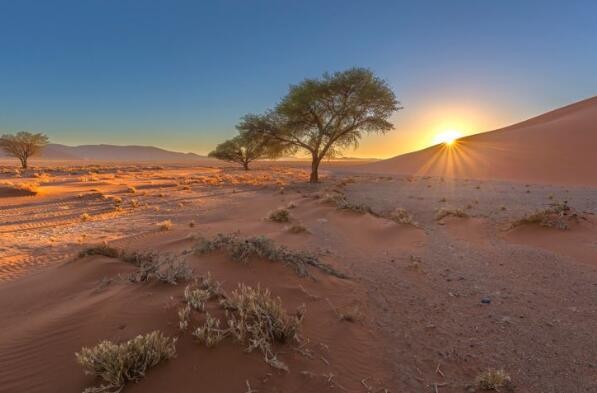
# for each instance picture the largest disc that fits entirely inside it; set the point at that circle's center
(85, 217)
(174, 272)
(118, 364)
(242, 249)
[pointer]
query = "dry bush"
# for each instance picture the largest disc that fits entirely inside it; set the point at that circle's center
(557, 215)
(297, 228)
(242, 249)
(174, 272)
(131, 190)
(343, 204)
(118, 364)
(85, 217)
(28, 188)
(210, 332)
(445, 212)
(494, 380)
(164, 225)
(101, 249)
(134, 203)
(259, 320)
(184, 314)
(196, 297)
(401, 216)
(279, 215)
(350, 314)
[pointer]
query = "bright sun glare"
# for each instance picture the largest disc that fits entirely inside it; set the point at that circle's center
(447, 137)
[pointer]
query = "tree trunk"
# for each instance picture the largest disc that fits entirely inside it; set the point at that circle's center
(314, 178)
(246, 166)
(24, 162)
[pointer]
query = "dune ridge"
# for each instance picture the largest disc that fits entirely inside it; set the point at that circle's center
(557, 147)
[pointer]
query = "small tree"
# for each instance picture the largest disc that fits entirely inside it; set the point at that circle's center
(324, 116)
(244, 149)
(23, 145)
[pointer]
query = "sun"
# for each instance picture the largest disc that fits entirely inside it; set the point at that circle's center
(447, 137)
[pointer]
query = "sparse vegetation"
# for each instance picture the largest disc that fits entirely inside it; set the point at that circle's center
(494, 380)
(85, 217)
(131, 190)
(557, 215)
(445, 212)
(118, 364)
(401, 216)
(165, 225)
(210, 332)
(242, 249)
(279, 215)
(297, 228)
(102, 249)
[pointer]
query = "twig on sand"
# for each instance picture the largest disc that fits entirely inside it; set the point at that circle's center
(439, 385)
(439, 371)
(249, 389)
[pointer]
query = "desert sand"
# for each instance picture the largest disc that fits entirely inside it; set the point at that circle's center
(557, 147)
(422, 281)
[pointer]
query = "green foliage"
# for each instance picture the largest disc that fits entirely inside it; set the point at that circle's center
(324, 116)
(243, 149)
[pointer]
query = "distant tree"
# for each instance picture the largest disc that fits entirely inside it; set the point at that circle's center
(324, 116)
(243, 149)
(23, 145)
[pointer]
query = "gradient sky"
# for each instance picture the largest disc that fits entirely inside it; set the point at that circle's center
(180, 74)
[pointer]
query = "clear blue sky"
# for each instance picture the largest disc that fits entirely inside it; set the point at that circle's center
(179, 74)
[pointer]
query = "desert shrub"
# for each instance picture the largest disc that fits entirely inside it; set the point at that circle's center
(196, 297)
(210, 332)
(134, 203)
(445, 212)
(131, 190)
(174, 272)
(279, 215)
(297, 228)
(85, 217)
(259, 320)
(242, 249)
(118, 364)
(494, 380)
(350, 314)
(101, 249)
(557, 215)
(164, 225)
(184, 314)
(401, 216)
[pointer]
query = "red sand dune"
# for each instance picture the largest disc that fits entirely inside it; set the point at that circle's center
(557, 147)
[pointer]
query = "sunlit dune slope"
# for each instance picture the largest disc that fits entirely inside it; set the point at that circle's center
(558, 147)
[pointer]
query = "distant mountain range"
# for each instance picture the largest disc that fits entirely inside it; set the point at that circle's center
(55, 151)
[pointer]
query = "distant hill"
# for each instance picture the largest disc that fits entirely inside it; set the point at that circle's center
(558, 147)
(112, 153)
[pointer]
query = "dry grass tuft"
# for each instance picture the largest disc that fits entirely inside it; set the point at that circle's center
(102, 249)
(297, 228)
(557, 215)
(242, 249)
(445, 212)
(118, 364)
(210, 332)
(494, 380)
(85, 217)
(131, 190)
(165, 225)
(279, 215)
(401, 216)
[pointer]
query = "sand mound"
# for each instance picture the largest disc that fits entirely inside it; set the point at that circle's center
(557, 147)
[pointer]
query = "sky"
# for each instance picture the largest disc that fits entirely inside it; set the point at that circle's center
(180, 74)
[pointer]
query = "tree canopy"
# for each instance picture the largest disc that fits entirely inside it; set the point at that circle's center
(243, 149)
(324, 116)
(23, 145)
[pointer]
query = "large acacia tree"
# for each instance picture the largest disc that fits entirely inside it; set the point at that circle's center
(324, 116)
(23, 145)
(243, 149)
